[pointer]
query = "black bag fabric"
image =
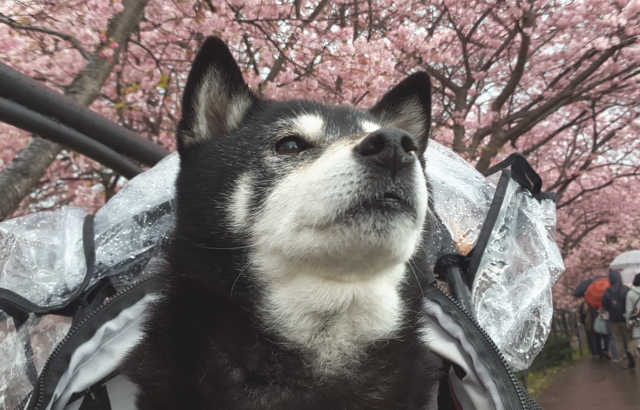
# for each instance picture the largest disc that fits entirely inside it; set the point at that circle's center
(82, 372)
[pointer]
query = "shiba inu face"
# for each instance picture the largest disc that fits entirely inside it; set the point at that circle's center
(328, 202)
(328, 191)
(332, 205)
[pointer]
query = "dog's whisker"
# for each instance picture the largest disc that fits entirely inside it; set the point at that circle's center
(222, 249)
(416, 276)
(361, 258)
(238, 277)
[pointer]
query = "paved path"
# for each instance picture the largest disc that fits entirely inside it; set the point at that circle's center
(592, 384)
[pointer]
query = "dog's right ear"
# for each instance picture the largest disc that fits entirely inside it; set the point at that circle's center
(215, 99)
(408, 106)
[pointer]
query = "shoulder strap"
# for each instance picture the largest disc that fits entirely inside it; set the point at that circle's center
(487, 227)
(524, 174)
(635, 304)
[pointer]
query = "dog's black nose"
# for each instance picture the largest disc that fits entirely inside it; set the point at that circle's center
(391, 148)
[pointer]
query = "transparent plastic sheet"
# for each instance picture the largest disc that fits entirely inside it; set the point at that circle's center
(461, 198)
(23, 353)
(42, 259)
(42, 256)
(512, 288)
(129, 226)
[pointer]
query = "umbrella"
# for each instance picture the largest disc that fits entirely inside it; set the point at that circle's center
(625, 259)
(628, 263)
(594, 293)
(581, 289)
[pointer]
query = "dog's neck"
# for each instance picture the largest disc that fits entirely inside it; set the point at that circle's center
(332, 321)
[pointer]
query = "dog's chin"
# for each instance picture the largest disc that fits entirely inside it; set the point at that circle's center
(370, 241)
(350, 238)
(384, 210)
(374, 234)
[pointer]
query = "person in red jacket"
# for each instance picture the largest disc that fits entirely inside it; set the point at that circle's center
(593, 297)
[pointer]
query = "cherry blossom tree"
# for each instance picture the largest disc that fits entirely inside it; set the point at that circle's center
(556, 80)
(91, 69)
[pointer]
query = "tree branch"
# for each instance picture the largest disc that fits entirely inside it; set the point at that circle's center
(74, 41)
(518, 71)
(554, 134)
(571, 243)
(532, 117)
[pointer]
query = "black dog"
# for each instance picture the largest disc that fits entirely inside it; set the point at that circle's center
(289, 284)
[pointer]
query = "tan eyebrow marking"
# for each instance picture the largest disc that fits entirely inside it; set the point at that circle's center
(368, 126)
(309, 126)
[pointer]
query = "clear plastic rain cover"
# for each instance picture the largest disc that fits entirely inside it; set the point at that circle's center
(23, 353)
(42, 257)
(512, 289)
(461, 199)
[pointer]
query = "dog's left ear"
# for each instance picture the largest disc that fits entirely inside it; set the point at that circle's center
(216, 97)
(408, 106)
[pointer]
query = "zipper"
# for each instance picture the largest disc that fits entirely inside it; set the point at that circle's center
(24, 401)
(96, 386)
(525, 399)
(69, 335)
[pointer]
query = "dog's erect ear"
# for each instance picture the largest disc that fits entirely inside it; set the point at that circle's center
(408, 106)
(215, 99)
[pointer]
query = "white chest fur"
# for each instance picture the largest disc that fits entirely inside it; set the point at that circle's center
(330, 320)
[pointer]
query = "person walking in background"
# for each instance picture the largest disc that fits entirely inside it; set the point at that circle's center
(593, 297)
(601, 331)
(633, 305)
(586, 319)
(613, 352)
(614, 302)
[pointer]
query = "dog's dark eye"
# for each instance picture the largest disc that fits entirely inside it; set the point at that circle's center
(291, 145)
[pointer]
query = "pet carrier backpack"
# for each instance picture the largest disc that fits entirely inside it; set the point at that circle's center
(74, 288)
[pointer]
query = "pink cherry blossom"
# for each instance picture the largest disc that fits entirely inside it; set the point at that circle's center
(558, 81)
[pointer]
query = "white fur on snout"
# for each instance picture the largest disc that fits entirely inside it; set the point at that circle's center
(298, 221)
(330, 285)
